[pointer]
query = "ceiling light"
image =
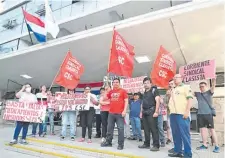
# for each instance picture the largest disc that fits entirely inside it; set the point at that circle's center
(26, 76)
(142, 59)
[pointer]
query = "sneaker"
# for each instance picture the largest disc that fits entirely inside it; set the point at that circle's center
(43, 135)
(72, 138)
(81, 140)
(171, 151)
(103, 140)
(62, 138)
(202, 147)
(144, 146)
(154, 149)
(140, 140)
(24, 142)
(175, 155)
(98, 136)
(132, 138)
(168, 141)
(106, 144)
(163, 145)
(89, 141)
(13, 142)
(217, 149)
(120, 147)
(33, 135)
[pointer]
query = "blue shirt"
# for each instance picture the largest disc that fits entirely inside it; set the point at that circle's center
(135, 108)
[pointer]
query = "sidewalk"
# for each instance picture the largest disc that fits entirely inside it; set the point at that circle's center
(85, 150)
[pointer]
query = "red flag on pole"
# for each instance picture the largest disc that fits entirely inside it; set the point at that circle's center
(121, 56)
(164, 68)
(70, 72)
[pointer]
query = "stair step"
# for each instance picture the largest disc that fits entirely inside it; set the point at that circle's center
(81, 149)
(38, 151)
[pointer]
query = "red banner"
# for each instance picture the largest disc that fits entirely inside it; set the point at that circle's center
(70, 72)
(121, 57)
(164, 68)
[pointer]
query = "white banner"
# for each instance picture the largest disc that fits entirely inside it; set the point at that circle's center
(25, 112)
(74, 102)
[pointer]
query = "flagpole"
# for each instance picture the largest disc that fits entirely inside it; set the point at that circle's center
(110, 54)
(27, 27)
(58, 70)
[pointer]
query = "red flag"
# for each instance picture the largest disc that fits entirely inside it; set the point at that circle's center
(164, 68)
(70, 72)
(121, 57)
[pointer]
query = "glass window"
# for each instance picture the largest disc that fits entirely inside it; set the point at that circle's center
(55, 5)
(77, 9)
(57, 15)
(65, 12)
(66, 3)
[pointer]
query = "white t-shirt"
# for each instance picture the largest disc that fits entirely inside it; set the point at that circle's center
(94, 97)
(41, 96)
(27, 97)
(97, 108)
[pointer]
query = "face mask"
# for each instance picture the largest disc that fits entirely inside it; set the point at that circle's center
(28, 90)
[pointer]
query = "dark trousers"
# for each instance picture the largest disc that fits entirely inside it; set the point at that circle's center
(119, 120)
(98, 124)
(34, 128)
(150, 124)
(19, 126)
(86, 121)
(181, 134)
(104, 118)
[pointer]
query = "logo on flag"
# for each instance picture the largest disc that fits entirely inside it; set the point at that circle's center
(164, 68)
(121, 57)
(70, 72)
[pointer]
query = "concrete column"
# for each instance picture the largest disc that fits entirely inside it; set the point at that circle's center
(218, 102)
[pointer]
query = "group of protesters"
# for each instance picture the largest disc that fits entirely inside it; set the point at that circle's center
(115, 106)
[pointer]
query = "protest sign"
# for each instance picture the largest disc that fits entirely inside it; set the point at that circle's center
(198, 71)
(72, 102)
(133, 85)
(25, 112)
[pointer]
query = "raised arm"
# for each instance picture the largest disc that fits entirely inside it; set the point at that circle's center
(18, 94)
(213, 85)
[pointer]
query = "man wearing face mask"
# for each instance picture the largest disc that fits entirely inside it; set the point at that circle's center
(26, 96)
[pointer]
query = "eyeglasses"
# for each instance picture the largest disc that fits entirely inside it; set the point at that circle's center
(87, 89)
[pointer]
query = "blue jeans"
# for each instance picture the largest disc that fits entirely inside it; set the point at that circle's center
(69, 117)
(181, 134)
(119, 120)
(161, 131)
(45, 123)
(34, 128)
(136, 127)
(19, 126)
(51, 120)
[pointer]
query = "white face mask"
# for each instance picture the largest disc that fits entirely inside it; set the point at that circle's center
(28, 90)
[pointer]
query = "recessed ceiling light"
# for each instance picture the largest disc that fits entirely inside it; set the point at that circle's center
(26, 76)
(142, 59)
